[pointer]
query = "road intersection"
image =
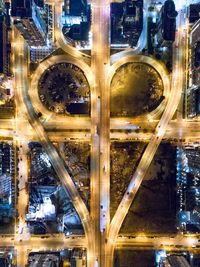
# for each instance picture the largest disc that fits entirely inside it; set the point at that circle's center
(101, 233)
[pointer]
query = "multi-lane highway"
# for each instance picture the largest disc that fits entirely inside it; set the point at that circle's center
(21, 84)
(101, 235)
(184, 131)
(126, 241)
(120, 129)
(100, 153)
(172, 104)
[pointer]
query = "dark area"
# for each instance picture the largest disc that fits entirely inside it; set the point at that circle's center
(154, 208)
(132, 258)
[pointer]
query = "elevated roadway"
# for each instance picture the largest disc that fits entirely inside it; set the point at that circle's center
(142, 42)
(174, 99)
(100, 155)
(124, 130)
(60, 40)
(21, 84)
(100, 235)
(128, 241)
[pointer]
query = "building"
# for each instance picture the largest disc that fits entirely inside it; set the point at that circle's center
(5, 189)
(7, 192)
(167, 23)
(188, 188)
(5, 158)
(37, 54)
(193, 92)
(171, 259)
(5, 174)
(5, 260)
(126, 23)
(78, 7)
(193, 101)
(76, 22)
(195, 53)
(1, 5)
(79, 32)
(31, 20)
(40, 205)
(44, 259)
(194, 12)
(3, 45)
(176, 261)
(5, 48)
(132, 21)
(116, 14)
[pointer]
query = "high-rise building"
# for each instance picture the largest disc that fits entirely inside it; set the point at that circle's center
(1, 5)
(193, 101)
(21, 8)
(194, 12)
(193, 92)
(76, 22)
(195, 49)
(78, 7)
(176, 261)
(3, 45)
(189, 188)
(38, 259)
(31, 20)
(167, 23)
(132, 20)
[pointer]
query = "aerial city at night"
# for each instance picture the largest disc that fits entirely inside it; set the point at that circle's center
(100, 133)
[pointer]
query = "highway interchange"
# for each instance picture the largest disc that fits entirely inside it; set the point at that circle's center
(100, 130)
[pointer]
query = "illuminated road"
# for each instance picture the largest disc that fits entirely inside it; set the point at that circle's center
(174, 98)
(57, 162)
(142, 42)
(101, 235)
(109, 71)
(37, 104)
(60, 40)
(100, 153)
(128, 241)
(160, 68)
(58, 131)
(186, 131)
(168, 243)
(46, 241)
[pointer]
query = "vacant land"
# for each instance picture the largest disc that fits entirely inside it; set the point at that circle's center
(136, 89)
(132, 258)
(77, 158)
(124, 159)
(154, 207)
